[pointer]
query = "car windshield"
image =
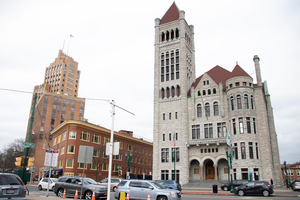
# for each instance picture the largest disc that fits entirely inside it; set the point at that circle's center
(157, 185)
(55, 180)
(89, 181)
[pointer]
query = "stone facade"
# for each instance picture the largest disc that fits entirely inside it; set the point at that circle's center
(193, 115)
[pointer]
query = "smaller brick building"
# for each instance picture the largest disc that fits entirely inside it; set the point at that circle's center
(293, 172)
(69, 135)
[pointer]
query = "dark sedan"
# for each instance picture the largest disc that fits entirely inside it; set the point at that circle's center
(236, 183)
(254, 187)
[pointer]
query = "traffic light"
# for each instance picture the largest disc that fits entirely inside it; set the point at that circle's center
(120, 172)
(30, 162)
(18, 162)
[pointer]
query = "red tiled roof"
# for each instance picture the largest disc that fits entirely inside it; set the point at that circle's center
(219, 74)
(171, 15)
(237, 71)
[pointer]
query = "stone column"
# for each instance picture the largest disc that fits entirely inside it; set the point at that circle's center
(216, 171)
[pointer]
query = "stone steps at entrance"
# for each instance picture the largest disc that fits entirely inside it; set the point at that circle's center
(203, 184)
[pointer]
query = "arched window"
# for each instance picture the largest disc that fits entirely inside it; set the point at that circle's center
(199, 110)
(214, 91)
(204, 92)
(246, 101)
(232, 102)
(207, 110)
(177, 33)
(252, 106)
(199, 93)
(168, 92)
(167, 35)
(162, 93)
(216, 109)
(173, 91)
(208, 92)
(172, 34)
(178, 90)
(162, 36)
(239, 103)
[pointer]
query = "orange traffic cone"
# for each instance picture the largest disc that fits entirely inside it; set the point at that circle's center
(93, 197)
(148, 196)
(64, 194)
(127, 197)
(76, 194)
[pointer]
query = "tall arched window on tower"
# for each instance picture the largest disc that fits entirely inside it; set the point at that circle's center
(172, 34)
(216, 109)
(252, 106)
(162, 36)
(168, 92)
(239, 103)
(208, 91)
(173, 91)
(177, 33)
(207, 110)
(167, 35)
(177, 63)
(178, 90)
(199, 110)
(162, 93)
(232, 102)
(204, 92)
(246, 101)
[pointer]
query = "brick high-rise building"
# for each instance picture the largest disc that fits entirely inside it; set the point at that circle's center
(192, 115)
(56, 102)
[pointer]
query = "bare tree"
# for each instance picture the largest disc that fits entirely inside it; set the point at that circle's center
(98, 158)
(9, 154)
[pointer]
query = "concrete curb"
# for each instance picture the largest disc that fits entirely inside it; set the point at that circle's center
(232, 194)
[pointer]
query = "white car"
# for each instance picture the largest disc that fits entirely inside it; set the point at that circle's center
(43, 184)
(114, 182)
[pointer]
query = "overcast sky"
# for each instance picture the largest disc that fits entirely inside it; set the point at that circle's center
(114, 45)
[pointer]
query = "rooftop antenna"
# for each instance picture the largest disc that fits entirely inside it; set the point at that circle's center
(69, 43)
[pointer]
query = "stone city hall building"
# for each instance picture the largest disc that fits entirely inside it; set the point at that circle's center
(192, 115)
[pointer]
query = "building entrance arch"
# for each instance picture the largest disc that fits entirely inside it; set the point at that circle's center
(195, 171)
(209, 170)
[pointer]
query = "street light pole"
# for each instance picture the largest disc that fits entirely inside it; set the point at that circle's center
(230, 154)
(286, 176)
(128, 159)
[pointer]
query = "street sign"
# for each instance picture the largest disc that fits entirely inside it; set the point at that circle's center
(29, 144)
(25, 146)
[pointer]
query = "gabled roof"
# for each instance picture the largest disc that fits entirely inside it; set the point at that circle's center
(237, 71)
(171, 15)
(219, 74)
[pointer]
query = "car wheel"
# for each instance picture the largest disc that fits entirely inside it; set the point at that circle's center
(114, 188)
(88, 195)
(162, 198)
(40, 187)
(52, 188)
(266, 193)
(60, 193)
(225, 188)
(241, 193)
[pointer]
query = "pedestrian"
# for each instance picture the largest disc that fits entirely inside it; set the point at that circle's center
(272, 183)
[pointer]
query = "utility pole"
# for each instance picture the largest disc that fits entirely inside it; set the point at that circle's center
(27, 145)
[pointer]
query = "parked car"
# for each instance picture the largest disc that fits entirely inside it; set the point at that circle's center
(12, 187)
(236, 183)
(172, 184)
(71, 183)
(43, 184)
(295, 185)
(113, 183)
(139, 189)
(254, 187)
